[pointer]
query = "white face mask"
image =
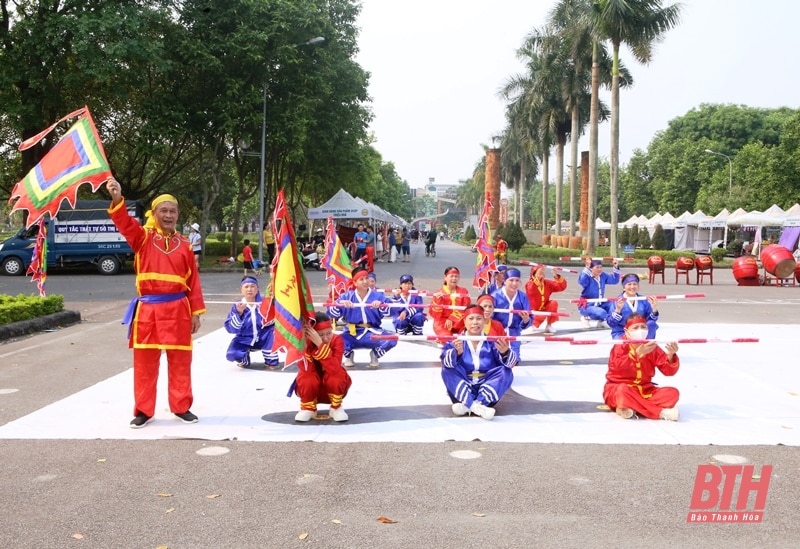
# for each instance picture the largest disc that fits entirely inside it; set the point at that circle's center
(638, 334)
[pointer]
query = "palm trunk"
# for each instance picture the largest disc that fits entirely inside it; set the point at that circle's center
(545, 175)
(593, 123)
(559, 183)
(614, 160)
(523, 169)
(573, 172)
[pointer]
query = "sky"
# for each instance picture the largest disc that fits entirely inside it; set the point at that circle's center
(437, 65)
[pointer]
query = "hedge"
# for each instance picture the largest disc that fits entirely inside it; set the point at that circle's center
(26, 307)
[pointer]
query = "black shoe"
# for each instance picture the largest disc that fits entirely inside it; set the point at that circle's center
(187, 417)
(140, 421)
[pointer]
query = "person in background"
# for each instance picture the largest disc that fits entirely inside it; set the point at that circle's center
(196, 240)
(324, 380)
(500, 249)
(627, 304)
(498, 278)
(408, 319)
(430, 242)
(446, 304)
(629, 388)
(372, 282)
(247, 258)
(166, 312)
(394, 249)
(477, 373)
(269, 241)
(370, 252)
(363, 310)
(406, 246)
(539, 289)
(593, 283)
(251, 331)
(360, 240)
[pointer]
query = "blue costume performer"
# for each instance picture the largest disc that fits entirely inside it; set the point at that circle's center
(593, 283)
(477, 374)
(409, 319)
(250, 331)
(510, 297)
(626, 305)
(363, 320)
(498, 278)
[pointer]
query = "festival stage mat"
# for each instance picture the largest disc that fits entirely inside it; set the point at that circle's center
(731, 394)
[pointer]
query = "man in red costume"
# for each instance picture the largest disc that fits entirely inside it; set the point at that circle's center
(165, 313)
(324, 380)
(446, 318)
(539, 290)
(629, 387)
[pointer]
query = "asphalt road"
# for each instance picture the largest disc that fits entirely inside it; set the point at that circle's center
(109, 493)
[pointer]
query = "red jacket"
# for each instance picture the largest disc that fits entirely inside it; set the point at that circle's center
(538, 296)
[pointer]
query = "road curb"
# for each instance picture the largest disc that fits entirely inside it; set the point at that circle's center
(39, 324)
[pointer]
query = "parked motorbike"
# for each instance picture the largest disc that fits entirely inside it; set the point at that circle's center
(311, 258)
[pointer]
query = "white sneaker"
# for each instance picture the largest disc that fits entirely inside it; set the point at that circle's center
(460, 409)
(304, 415)
(551, 330)
(373, 360)
(669, 414)
(602, 325)
(349, 362)
(480, 410)
(625, 413)
(338, 414)
(585, 322)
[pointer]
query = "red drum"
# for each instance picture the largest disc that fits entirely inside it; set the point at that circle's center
(684, 263)
(655, 263)
(703, 262)
(778, 261)
(745, 270)
(797, 272)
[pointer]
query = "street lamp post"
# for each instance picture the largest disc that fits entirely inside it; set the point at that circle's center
(310, 42)
(730, 169)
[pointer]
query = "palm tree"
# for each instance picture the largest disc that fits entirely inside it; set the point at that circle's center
(639, 24)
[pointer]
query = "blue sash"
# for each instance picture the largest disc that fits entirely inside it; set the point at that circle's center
(154, 298)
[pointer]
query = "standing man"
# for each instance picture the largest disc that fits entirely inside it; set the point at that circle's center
(370, 249)
(196, 241)
(167, 309)
(360, 240)
(500, 249)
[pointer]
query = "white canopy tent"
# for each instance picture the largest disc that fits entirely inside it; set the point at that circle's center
(343, 205)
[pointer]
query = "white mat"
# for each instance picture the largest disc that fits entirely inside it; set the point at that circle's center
(731, 394)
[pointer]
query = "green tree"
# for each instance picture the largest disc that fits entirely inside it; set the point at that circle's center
(659, 238)
(644, 238)
(515, 237)
(639, 25)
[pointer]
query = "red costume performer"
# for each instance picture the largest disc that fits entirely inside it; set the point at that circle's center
(493, 327)
(539, 289)
(629, 384)
(161, 317)
(450, 295)
(324, 380)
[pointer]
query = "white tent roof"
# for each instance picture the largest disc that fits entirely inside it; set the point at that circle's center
(683, 219)
(601, 225)
(667, 221)
(792, 218)
(342, 205)
(754, 219)
(775, 211)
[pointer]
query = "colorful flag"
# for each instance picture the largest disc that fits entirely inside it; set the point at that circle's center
(38, 267)
(77, 158)
(486, 263)
(336, 262)
(291, 301)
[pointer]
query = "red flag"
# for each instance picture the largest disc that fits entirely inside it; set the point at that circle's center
(77, 158)
(485, 263)
(336, 262)
(38, 267)
(292, 304)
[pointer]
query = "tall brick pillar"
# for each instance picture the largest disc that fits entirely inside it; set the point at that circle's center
(492, 185)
